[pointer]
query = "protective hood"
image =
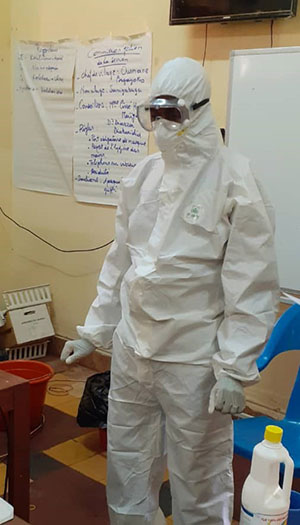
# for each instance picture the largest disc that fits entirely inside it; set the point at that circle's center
(185, 78)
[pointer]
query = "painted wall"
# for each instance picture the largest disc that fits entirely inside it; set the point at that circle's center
(5, 138)
(24, 260)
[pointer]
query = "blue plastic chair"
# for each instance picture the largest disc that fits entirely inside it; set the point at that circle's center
(248, 432)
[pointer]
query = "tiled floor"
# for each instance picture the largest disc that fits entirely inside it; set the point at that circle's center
(68, 471)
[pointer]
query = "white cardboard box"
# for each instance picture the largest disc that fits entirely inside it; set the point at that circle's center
(31, 323)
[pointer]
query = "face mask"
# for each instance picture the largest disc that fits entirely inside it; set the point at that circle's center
(165, 138)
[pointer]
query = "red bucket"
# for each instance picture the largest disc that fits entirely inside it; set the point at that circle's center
(38, 375)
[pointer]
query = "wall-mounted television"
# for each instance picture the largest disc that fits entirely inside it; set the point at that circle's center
(205, 11)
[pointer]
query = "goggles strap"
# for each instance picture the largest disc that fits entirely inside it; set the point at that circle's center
(198, 105)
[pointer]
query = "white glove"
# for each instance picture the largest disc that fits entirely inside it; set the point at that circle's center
(227, 396)
(74, 350)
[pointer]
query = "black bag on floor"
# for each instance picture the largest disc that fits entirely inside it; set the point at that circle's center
(93, 407)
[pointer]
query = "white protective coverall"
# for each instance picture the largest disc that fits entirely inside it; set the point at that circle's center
(187, 293)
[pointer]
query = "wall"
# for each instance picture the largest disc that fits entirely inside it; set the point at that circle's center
(59, 219)
(5, 137)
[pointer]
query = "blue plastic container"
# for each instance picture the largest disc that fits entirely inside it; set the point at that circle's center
(294, 513)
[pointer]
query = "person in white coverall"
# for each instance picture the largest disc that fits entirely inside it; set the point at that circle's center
(187, 298)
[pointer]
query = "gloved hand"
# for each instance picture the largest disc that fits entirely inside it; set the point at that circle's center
(74, 350)
(227, 396)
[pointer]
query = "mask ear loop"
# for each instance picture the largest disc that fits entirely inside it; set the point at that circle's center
(185, 125)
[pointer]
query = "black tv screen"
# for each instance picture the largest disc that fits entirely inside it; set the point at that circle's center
(204, 11)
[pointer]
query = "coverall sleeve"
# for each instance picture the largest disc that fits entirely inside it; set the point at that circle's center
(250, 284)
(105, 312)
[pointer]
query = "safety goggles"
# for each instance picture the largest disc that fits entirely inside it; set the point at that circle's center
(173, 111)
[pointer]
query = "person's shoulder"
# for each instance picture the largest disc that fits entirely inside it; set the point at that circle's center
(238, 165)
(242, 181)
(138, 174)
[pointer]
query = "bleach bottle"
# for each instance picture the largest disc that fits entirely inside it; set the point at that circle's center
(263, 500)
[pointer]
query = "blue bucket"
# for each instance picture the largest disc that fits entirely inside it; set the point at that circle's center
(294, 513)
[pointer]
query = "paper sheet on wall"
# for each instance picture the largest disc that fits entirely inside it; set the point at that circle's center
(44, 116)
(112, 77)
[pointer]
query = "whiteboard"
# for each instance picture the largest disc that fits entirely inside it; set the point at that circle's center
(263, 123)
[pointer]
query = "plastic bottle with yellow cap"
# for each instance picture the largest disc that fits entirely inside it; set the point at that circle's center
(263, 500)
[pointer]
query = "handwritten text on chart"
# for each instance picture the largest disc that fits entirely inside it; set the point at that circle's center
(112, 77)
(44, 116)
(40, 69)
